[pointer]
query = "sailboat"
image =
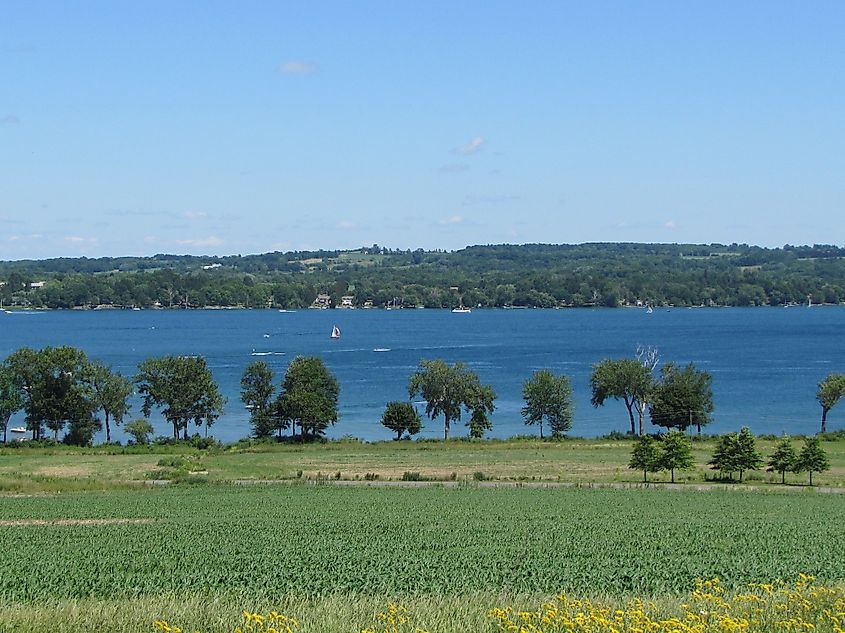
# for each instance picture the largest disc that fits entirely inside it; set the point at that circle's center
(335, 332)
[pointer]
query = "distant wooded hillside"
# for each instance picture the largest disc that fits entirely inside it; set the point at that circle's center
(531, 275)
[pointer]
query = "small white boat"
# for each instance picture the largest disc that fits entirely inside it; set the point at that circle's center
(335, 332)
(18, 429)
(461, 310)
(649, 310)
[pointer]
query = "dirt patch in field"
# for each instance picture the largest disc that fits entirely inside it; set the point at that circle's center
(64, 471)
(32, 522)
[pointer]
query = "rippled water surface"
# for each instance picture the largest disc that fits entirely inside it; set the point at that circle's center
(766, 362)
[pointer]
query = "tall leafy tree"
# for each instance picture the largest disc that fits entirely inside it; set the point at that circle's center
(447, 389)
(309, 396)
(11, 399)
(548, 398)
(401, 418)
(831, 390)
(812, 458)
(257, 391)
(783, 458)
(645, 456)
(110, 392)
(183, 387)
(675, 453)
(625, 379)
(682, 398)
(23, 368)
(480, 406)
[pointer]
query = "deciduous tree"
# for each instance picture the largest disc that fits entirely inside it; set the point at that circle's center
(831, 390)
(682, 398)
(140, 430)
(11, 399)
(309, 396)
(783, 459)
(447, 389)
(624, 379)
(183, 387)
(812, 458)
(548, 398)
(645, 456)
(401, 417)
(675, 453)
(257, 391)
(110, 392)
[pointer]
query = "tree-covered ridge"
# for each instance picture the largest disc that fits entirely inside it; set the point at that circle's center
(532, 275)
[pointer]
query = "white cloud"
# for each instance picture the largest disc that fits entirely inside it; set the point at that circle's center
(454, 219)
(345, 225)
(211, 240)
(670, 224)
(470, 147)
(298, 67)
(195, 215)
(9, 119)
(74, 238)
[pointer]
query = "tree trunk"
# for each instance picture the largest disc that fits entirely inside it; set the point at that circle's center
(824, 419)
(541, 429)
(629, 404)
(672, 471)
(446, 429)
(108, 429)
(811, 477)
(175, 430)
(645, 476)
(641, 409)
(783, 477)
(398, 435)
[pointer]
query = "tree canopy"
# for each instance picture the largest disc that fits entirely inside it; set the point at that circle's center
(401, 418)
(447, 389)
(625, 379)
(183, 387)
(682, 398)
(548, 398)
(257, 391)
(831, 390)
(309, 396)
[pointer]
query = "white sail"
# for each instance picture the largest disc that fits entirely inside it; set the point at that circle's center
(335, 332)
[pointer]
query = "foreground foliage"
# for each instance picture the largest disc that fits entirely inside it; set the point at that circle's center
(760, 608)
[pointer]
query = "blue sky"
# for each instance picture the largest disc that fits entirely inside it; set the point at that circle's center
(134, 128)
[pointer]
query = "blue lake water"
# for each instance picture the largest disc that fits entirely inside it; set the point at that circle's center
(766, 362)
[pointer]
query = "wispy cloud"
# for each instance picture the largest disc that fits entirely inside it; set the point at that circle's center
(489, 199)
(211, 240)
(454, 168)
(454, 219)
(195, 215)
(470, 147)
(345, 225)
(670, 224)
(298, 67)
(9, 119)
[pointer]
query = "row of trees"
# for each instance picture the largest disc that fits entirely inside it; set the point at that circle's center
(537, 275)
(59, 388)
(735, 453)
(681, 397)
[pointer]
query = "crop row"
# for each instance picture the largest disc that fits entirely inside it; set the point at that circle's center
(322, 540)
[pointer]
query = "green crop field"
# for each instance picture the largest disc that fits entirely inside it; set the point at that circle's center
(319, 540)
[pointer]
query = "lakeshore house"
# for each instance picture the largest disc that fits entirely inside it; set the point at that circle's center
(322, 302)
(347, 301)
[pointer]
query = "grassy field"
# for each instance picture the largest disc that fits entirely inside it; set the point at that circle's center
(574, 461)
